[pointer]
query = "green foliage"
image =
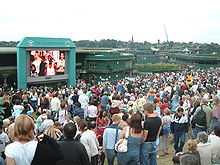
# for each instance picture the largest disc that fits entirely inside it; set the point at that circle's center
(159, 67)
(111, 43)
(8, 44)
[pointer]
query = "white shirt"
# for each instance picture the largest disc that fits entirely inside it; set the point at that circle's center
(205, 153)
(55, 104)
(17, 109)
(91, 111)
(84, 101)
(3, 140)
(194, 87)
(62, 116)
(166, 119)
(23, 154)
(90, 142)
(215, 148)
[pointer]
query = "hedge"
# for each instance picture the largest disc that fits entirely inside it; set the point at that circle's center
(159, 67)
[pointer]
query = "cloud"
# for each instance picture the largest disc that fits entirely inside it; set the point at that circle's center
(186, 20)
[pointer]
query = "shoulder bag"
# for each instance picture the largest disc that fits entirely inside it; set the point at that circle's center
(122, 144)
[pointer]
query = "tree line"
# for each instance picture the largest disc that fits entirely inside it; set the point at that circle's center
(111, 43)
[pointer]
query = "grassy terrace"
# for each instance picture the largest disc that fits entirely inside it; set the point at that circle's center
(159, 67)
(199, 57)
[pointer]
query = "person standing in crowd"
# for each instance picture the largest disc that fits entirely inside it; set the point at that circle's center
(73, 99)
(110, 137)
(166, 121)
(151, 96)
(89, 140)
(116, 104)
(55, 104)
(40, 119)
(62, 114)
(74, 152)
(91, 111)
(120, 87)
(152, 127)
(179, 128)
(135, 139)
(28, 110)
(201, 118)
(215, 112)
(102, 122)
(192, 155)
(214, 139)
(1, 107)
(84, 100)
(124, 121)
(78, 111)
(22, 150)
(4, 140)
(175, 102)
(44, 102)
(204, 148)
(33, 100)
(53, 132)
(6, 106)
(17, 109)
(105, 102)
(138, 106)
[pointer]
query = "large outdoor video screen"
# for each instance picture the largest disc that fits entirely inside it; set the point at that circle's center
(47, 63)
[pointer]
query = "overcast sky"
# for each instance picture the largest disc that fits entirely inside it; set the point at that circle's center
(185, 20)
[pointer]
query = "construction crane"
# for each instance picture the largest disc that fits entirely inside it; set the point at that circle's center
(165, 31)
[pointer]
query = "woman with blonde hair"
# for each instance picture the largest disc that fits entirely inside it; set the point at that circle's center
(192, 155)
(53, 132)
(22, 150)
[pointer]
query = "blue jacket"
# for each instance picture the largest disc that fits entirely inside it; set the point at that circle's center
(110, 137)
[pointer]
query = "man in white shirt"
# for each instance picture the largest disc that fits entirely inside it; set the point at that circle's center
(91, 112)
(84, 100)
(55, 104)
(89, 140)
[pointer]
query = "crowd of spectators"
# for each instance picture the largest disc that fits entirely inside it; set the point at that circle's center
(86, 123)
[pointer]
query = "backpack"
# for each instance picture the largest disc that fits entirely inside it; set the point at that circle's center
(199, 118)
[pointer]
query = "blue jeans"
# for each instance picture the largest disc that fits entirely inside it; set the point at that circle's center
(149, 153)
(132, 156)
(179, 141)
(196, 130)
(2, 162)
(110, 154)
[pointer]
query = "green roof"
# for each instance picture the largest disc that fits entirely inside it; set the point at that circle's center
(7, 50)
(39, 42)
